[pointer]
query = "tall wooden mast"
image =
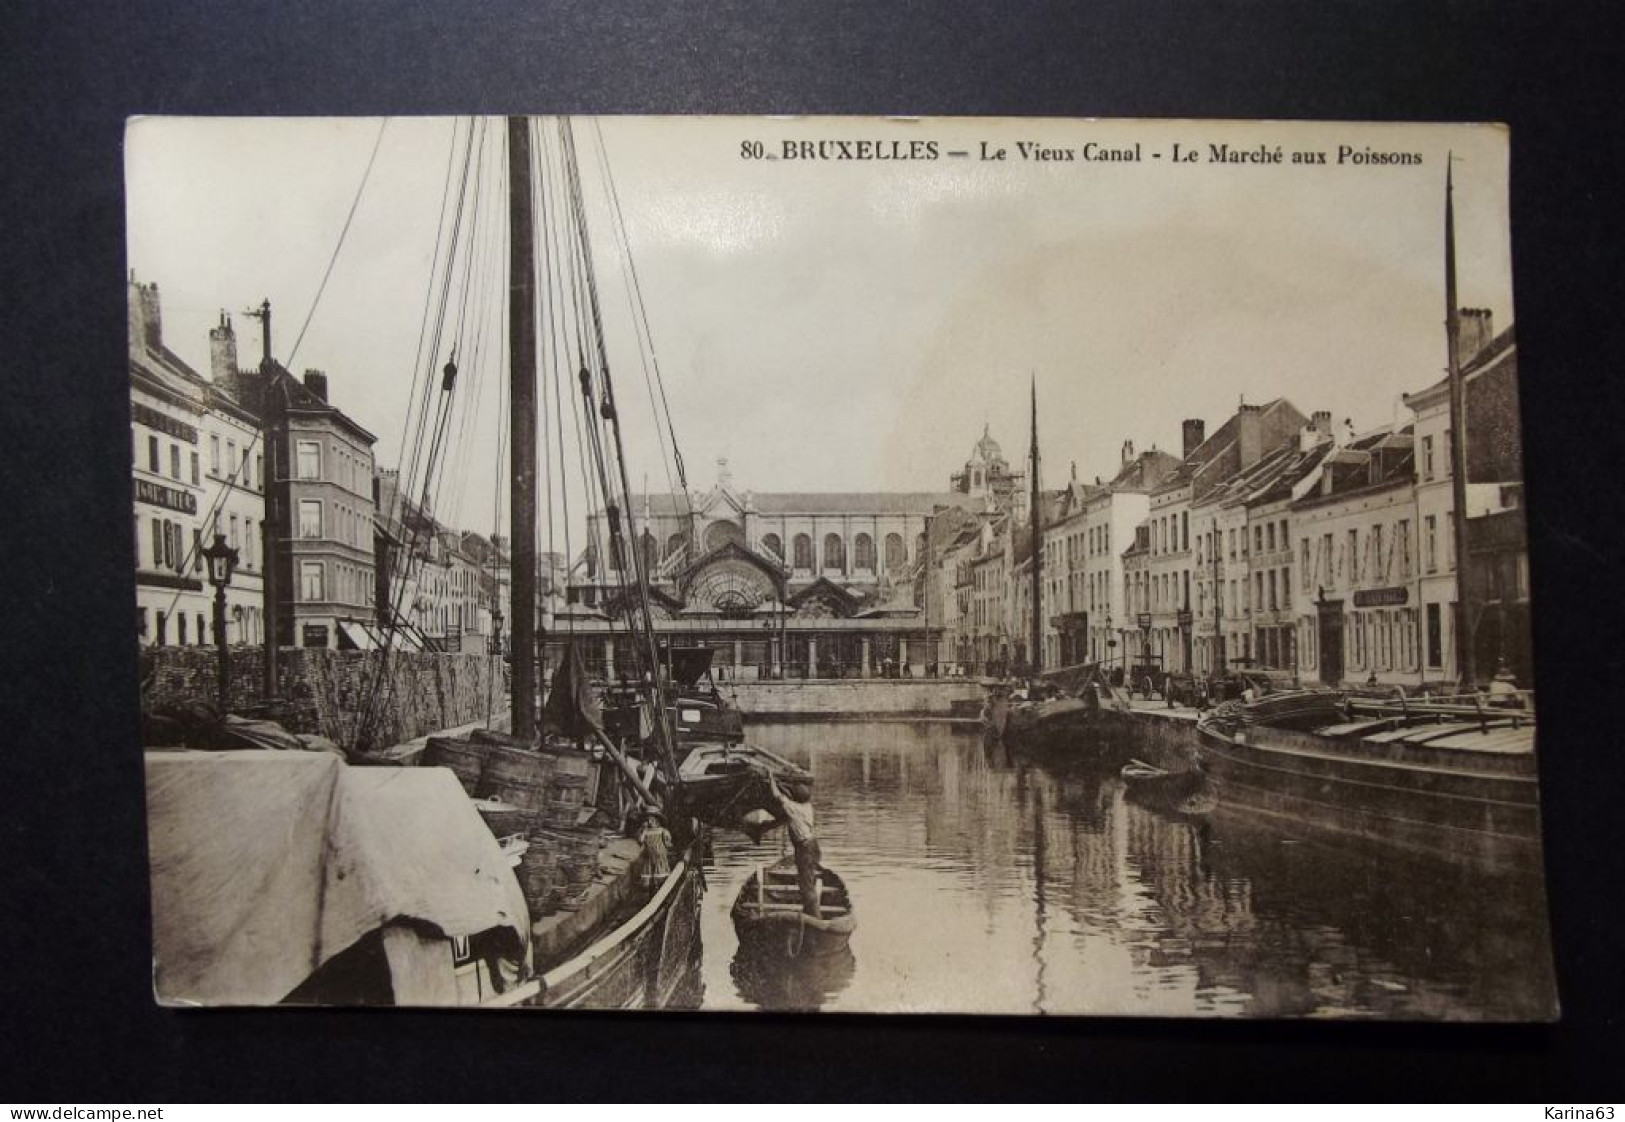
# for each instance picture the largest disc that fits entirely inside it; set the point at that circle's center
(1465, 659)
(522, 445)
(1036, 658)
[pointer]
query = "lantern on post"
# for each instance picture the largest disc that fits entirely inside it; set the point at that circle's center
(222, 562)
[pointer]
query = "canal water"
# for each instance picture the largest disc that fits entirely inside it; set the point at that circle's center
(984, 883)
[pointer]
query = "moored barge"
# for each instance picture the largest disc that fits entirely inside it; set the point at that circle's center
(1445, 781)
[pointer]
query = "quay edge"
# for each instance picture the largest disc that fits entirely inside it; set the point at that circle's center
(862, 699)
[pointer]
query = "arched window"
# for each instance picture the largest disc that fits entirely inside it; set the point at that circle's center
(773, 545)
(895, 556)
(834, 552)
(674, 543)
(721, 533)
(863, 553)
(804, 552)
(919, 546)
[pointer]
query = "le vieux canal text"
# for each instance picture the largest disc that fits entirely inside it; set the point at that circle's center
(1090, 152)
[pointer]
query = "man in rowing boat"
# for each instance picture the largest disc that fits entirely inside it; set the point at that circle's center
(795, 809)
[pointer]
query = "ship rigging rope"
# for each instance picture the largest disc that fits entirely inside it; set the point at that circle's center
(470, 368)
(565, 270)
(472, 315)
(561, 360)
(584, 407)
(568, 297)
(485, 353)
(639, 317)
(380, 690)
(625, 526)
(468, 324)
(428, 358)
(334, 259)
(647, 356)
(189, 557)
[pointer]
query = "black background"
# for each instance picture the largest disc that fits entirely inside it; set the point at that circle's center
(81, 1025)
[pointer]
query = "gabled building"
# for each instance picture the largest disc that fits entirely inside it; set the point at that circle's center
(1243, 559)
(953, 537)
(1252, 433)
(319, 493)
(168, 400)
(1089, 617)
(1354, 520)
(199, 470)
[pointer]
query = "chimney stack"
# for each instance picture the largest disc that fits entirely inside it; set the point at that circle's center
(1128, 452)
(316, 383)
(223, 354)
(1194, 432)
(1317, 431)
(146, 319)
(1474, 331)
(1249, 434)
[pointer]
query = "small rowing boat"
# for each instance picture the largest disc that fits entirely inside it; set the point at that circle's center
(1181, 794)
(768, 913)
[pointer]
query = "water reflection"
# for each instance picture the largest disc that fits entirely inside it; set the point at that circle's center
(985, 883)
(767, 979)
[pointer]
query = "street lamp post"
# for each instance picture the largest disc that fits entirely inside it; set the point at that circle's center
(1111, 645)
(222, 560)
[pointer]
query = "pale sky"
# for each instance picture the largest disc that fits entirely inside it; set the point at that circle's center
(850, 325)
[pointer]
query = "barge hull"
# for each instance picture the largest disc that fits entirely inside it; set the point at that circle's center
(1490, 819)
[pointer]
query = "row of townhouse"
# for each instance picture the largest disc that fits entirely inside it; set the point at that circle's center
(1280, 541)
(447, 590)
(198, 470)
(264, 460)
(204, 462)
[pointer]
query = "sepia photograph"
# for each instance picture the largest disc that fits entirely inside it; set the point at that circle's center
(880, 565)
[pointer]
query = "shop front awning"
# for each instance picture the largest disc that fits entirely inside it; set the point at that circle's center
(354, 635)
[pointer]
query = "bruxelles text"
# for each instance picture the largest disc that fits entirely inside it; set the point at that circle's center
(1028, 151)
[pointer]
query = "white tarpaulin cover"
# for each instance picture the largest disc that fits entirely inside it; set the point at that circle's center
(267, 864)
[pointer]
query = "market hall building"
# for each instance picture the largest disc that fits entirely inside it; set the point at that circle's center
(797, 584)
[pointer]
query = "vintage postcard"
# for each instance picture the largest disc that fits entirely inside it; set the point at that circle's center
(890, 565)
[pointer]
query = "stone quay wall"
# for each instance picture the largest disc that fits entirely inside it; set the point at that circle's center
(860, 699)
(326, 692)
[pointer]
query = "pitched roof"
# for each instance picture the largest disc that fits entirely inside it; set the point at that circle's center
(1218, 457)
(1482, 358)
(1144, 472)
(1350, 466)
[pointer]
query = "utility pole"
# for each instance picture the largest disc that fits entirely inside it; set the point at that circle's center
(522, 445)
(1465, 654)
(272, 525)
